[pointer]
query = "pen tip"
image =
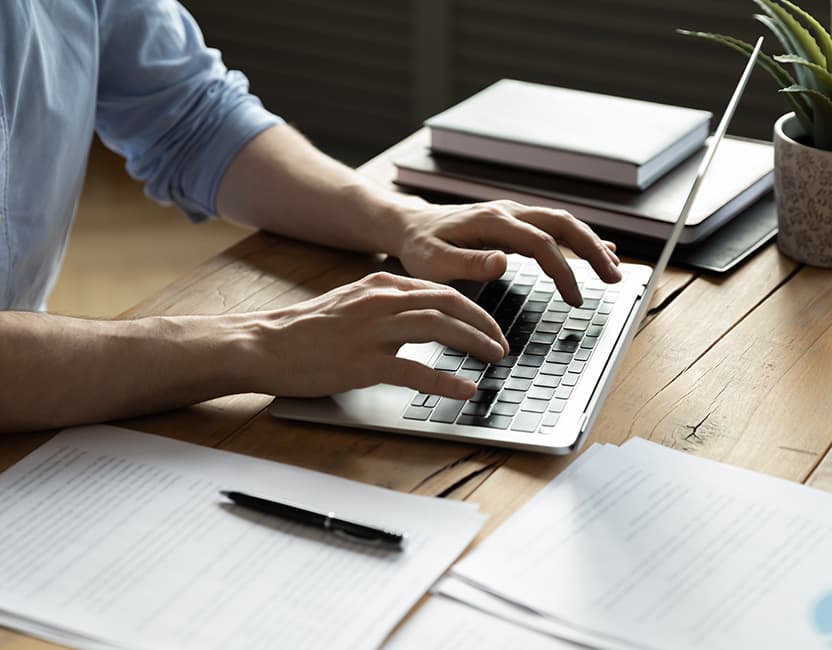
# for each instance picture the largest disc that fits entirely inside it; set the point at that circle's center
(225, 493)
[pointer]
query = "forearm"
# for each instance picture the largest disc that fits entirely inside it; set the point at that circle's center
(57, 371)
(279, 182)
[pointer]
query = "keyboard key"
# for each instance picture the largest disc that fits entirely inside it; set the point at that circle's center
(562, 392)
(473, 375)
(589, 342)
(479, 409)
(539, 349)
(517, 383)
(534, 405)
(474, 364)
(419, 400)
(450, 352)
(505, 408)
(577, 366)
(557, 405)
(485, 396)
(569, 379)
(605, 307)
(448, 363)
(431, 401)
(581, 314)
(559, 306)
(526, 278)
(524, 372)
(590, 303)
(513, 396)
(490, 384)
(550, 419)
(582, 354)
(594, 330)
(543, 296)
(497, 421)
(539, 337)
(547, 381)
(507, 361)
(600, 319)
(530, 360)
(559, 357)
(527, 316)
(575, 324)
(497, 372)
(548, 328)
(550, 368)
(566, 345)
(592, 294)
(541, 392)
(537, 306)
(526, 421)
(417, 413)
(447, 410)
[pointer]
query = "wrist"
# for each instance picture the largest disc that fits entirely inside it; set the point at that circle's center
(392, 217)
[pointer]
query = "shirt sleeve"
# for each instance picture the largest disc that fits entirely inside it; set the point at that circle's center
(168, 104)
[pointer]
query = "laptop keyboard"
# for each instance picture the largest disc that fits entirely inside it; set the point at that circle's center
(549, 346)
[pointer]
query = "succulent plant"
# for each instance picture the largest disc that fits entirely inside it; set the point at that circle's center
(808, 49)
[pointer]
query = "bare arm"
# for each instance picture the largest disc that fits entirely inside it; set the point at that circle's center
(281, 183)
(57, 371)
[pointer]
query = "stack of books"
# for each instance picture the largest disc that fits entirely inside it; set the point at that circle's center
(616, 163)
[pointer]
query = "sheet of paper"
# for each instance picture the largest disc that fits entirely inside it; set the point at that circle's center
(444, 623)
(456, 589)
(664, 550)
(122, 538)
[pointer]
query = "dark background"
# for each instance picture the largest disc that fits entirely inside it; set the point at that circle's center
(357, 75)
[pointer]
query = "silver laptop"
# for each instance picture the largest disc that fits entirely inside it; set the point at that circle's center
(545, 395)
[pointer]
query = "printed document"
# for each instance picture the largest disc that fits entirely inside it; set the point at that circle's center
(117, 539)
(658, 549)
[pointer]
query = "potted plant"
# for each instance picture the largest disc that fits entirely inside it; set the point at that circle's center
(803, 137)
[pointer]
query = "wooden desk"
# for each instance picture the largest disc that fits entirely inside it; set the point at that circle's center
(736, 369)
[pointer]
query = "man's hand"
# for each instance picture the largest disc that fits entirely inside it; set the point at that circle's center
(348, 338)
(442, 243)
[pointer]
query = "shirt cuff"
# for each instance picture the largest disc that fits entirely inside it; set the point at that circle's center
(240, 125)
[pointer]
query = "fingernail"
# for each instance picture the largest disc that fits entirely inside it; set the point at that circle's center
(614, 270)
(499, 350)
(492, 263)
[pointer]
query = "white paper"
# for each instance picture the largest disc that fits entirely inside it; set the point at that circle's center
(443, 623)
(122, 538)
(666, 550)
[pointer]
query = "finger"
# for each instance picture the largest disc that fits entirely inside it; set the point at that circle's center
(577, 235)
(404, 372)
(449, 262)
(611, 245)
(527, 239)
(428, 325)
(455, 305)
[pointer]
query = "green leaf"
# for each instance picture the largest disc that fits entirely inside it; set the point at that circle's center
(798, 103)
(802, 41)
(821, 132)
(822, 36)
(821, 75)
(786, 41)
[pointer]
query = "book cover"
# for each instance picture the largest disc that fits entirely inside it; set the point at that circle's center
(742, 173)
(600, 137)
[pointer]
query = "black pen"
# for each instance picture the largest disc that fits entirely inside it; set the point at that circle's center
(330, 522)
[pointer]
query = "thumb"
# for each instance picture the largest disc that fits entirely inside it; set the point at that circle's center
(449, 262)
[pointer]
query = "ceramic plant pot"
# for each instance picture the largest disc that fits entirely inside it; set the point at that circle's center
(803, 190)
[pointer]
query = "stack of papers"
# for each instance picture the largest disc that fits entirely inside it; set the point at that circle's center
(645, 547)
(116, 539)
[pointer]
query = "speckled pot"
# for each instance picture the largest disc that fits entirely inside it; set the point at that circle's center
(803, 189)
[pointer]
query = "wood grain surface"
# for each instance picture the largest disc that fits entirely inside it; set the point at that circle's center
(736, 368)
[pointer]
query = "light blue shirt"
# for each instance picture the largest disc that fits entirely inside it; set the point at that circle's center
(138, 73)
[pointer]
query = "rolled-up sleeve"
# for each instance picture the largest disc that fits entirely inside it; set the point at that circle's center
(168, 104)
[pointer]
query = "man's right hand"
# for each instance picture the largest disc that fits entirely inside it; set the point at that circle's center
(348, 338)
